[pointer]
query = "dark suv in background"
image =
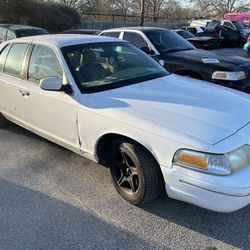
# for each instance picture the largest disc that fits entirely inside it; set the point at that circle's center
(11, 31)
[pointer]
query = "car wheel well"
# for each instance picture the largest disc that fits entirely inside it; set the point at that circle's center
(105, 141)
(189, 73)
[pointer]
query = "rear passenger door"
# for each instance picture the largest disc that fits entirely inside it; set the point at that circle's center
(52, 114)
(11, 68)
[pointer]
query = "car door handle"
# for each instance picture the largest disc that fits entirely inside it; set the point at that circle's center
(24, 92)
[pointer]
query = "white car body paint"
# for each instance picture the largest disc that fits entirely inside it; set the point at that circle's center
(164, 115)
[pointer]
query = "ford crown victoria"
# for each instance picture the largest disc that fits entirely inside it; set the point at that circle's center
(106, 100)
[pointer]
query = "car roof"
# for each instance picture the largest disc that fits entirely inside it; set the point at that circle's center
(63, 40)
(139, 28)
(15, 27)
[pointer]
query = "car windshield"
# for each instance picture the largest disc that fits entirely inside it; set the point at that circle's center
(30, 32)
(185, 34)
(238, 25)
(168, 41)
(103, 66)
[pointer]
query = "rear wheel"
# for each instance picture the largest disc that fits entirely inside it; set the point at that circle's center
(135, 173)
(3, 121)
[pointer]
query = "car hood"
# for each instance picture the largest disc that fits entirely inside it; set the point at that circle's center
(175, 107)
(200, 56)
(245, 31)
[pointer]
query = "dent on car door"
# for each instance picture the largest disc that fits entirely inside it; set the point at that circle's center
(52, 114)
(11, 62)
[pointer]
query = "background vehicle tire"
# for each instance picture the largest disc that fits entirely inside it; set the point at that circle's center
(135, 173)
(3, 121)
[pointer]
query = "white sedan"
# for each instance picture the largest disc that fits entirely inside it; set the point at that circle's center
(108, 101)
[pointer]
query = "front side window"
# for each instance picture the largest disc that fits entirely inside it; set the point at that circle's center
(135, 39)
(43, 64)
(168, 41)
(14, 61)
(102, 66)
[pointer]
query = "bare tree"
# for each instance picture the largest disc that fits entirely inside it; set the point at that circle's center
(217, 8)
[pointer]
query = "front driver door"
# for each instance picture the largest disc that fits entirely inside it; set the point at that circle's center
(52, 114)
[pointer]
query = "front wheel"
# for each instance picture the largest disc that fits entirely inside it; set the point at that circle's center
(135, 173)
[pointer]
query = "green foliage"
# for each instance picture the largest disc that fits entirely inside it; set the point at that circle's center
(54, 17)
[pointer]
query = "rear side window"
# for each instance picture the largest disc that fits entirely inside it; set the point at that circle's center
(111, 34)
(2, 34)
(14, 61)
(135, 39)
(3, 55)
(10, 35)
(43, 64)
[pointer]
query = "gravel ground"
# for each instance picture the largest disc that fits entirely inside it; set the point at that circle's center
(51, 198)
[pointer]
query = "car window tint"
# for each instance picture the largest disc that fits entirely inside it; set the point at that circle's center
(111, 34)
(228, 25)
(3, 55)
(43, 64)
(135, 39)
(13, 65)
(10, 35)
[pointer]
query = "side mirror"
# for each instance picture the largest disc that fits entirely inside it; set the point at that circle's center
(147, 50)
(51, 84)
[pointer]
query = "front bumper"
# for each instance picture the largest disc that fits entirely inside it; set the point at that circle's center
(241, 85)
(217, 193)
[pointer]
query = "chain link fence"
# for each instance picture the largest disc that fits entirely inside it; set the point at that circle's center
(102, 25)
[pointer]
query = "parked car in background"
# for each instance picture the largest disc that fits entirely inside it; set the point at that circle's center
(11, 31)
(232, 24)
(154, 130)
(243, 18)
(228, 36)
(194, 30)
(181, 57)
(82, 31)
(200, 22)
(235, 25)
(199, 42)
(247, 47)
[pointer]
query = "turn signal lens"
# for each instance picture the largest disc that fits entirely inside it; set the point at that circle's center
(228, 75)
(217, 164)
(193, 160)
(220, 76)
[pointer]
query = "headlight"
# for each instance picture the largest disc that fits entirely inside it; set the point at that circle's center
(239, 158)
(217, 164)
(208, 163)
(227, 75)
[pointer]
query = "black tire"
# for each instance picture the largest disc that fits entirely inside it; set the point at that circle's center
(3, 121)
(135, 173)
